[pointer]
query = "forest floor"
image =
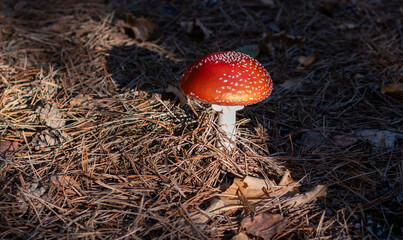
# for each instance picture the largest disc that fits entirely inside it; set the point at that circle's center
(95, 142)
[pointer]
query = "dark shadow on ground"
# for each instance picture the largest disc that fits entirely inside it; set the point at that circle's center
(134, 67)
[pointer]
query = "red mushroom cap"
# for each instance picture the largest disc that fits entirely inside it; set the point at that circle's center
(226, 78)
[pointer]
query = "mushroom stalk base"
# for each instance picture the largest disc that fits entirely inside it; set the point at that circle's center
(226, 122)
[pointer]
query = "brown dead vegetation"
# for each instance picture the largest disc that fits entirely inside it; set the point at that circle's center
(93, 146)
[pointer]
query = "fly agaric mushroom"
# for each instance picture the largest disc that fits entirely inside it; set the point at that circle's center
(229, 81)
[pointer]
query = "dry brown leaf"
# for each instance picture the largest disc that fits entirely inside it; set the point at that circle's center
(380, 138)
(82, 101)
(7, 147)
(257, 188)
(251, 188)
(305, 61)
(138, 28)
(286, 184)
(70, 185)
(264, 225)
(214, 208)
(178, 93)
(51, 116)
(286, 180)
(394, 89)
(200, 218)
(302, 199)
(240, 236)
(344, 140)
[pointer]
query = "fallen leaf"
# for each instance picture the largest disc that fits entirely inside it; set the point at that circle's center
(82, 100)
(67, 182)
(264, 225)
(257, 188)
(214, 208)
(240, 236)
(302, 199)
(287, 184)
(306, 61)
(138, 28)
(51, 116)
(344, 140)
(7, 147)
(394, 89)
(178, 93)
(195, 28)
(251, 50)
(250, 187)
(380, 138)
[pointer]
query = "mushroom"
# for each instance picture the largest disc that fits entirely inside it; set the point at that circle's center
(229, 81)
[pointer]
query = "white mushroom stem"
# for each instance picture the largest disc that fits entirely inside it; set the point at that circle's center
(226, 122)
